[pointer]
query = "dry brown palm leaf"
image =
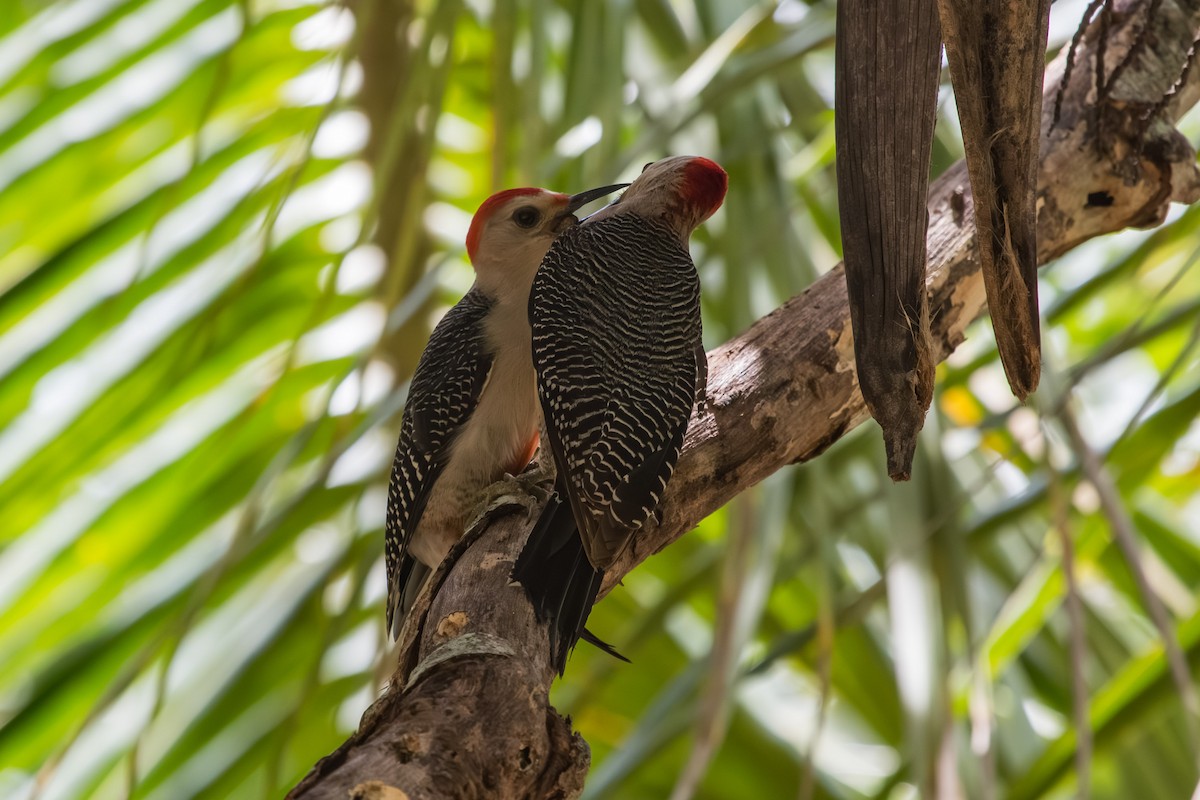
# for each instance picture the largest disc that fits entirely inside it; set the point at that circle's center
(997, 54)
(887, 66)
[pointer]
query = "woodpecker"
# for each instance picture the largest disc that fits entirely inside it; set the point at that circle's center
(615, 315)
(471, 414)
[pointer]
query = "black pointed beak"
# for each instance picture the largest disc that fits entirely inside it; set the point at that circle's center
(578, 201)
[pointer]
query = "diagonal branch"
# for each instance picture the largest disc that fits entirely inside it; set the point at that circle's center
(469, 715)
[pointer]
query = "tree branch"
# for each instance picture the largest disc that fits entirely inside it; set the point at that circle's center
(468, 714)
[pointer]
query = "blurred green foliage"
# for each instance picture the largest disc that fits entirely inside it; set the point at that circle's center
(226, 227)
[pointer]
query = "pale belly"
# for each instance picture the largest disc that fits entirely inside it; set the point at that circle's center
(493, 441)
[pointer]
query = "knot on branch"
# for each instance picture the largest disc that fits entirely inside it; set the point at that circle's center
(377, 790)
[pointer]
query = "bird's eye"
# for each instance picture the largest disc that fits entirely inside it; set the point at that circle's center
(646, 166)
(526, 216)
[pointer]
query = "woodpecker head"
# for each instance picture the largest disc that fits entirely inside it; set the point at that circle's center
(513, 229)
(681, 191)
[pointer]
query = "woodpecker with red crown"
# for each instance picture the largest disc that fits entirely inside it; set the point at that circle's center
(472, 414)
(615, 315)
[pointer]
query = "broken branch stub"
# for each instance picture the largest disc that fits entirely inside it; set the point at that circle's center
(887, 72)
(997, 55)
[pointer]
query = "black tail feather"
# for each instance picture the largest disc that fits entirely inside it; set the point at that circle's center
(596, 641)
(560, 581)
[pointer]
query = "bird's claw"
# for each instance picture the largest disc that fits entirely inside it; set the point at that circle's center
(529, 490)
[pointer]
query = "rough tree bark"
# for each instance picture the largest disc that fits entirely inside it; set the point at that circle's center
(468, 715)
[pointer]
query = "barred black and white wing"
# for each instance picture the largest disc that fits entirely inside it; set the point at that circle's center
(444, 392)
(616, 344)
(615, 313)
